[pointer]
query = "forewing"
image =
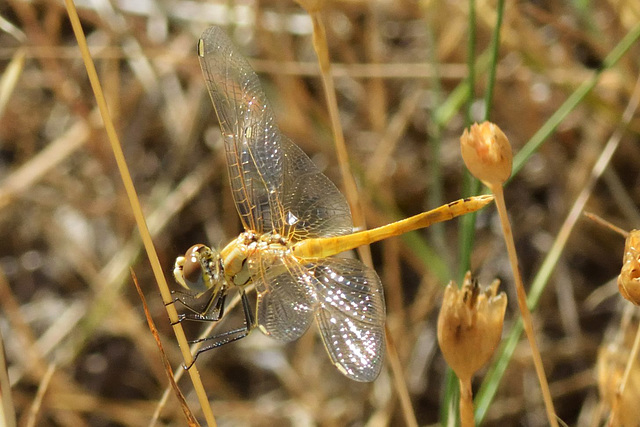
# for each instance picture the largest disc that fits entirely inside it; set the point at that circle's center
(286, 294)
(251, 137)
(350, 316)
(276, 187)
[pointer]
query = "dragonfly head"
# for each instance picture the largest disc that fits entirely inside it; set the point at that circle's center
(199, 270)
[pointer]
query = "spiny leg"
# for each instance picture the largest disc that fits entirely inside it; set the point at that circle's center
(214, 306)
(229, 336)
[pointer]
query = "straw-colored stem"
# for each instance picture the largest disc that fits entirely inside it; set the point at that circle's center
(607, 224)
(466, 403)
(136, 208)
(399, 382)
(10, 77)
(350, 188)
(633, 357)
(36, 406)
(7, 408)
(522, 303)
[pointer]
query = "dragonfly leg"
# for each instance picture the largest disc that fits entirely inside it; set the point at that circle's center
(249, 318)
(229, 336)
(212, 311)
(179, 297)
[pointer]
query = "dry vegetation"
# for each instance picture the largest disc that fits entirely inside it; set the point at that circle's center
(77, 345)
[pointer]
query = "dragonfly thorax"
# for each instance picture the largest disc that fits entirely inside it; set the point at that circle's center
(235, 255)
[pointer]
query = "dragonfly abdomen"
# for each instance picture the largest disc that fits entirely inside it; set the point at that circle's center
(328, 246)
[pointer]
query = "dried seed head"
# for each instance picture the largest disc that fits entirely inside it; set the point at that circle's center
(487, 153)
(629, 278)
(613, 357)
(470, 325)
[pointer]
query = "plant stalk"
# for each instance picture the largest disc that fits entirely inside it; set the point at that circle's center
(498, 191)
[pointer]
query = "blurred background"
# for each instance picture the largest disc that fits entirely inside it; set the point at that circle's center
(77, 345)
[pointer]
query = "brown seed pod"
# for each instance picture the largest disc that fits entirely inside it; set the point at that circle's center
(487, 153)
(470, 325)
(629, 278)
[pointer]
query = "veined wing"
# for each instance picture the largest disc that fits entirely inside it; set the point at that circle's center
(286, 294)
(312, 205)
(275, 186)
(344, 295)
(350, 315)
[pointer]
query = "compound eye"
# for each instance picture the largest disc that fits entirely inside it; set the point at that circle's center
(192, 268)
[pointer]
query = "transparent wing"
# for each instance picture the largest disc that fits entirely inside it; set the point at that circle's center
(345, 296)
(286, 295)
(313, 205)
(350, 316)
(275, 185)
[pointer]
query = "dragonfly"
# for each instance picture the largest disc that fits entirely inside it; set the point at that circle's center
(295, 221)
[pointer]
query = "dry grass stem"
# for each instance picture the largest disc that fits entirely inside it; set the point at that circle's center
(350, 188)
(37, 402)
(400, 383)
(631, 361)
(348, 181)
(10, 78)
(8, 412)
(137, 210)
(191, 420)
(522, 304)
(618, 372)
(606, 224)
(466, 403)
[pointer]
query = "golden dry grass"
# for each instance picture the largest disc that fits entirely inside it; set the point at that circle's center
(78, 348)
